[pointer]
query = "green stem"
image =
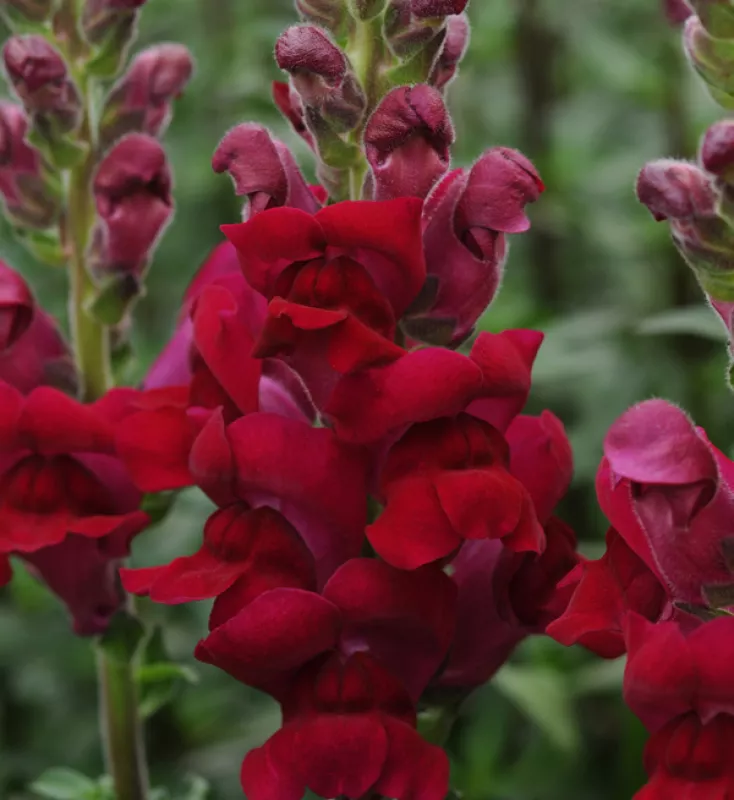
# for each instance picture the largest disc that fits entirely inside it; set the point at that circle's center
(121, 726)
(366, 52)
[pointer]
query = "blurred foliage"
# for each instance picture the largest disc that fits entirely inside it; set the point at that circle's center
(590, 91)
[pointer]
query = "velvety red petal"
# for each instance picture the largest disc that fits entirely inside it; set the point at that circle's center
(541, 458)
(53, 422)
(338, 755)
(413, 530)
(272, 241)
(607, 590)
(660, 681)
(262, 780)
(414, 769)
(421, 386)
(296, 469)
(406, 619)
(506, 360)
(384, 236)
(212, 462)
(155, 446)
(186, 579)
(11, 405)
(224, 341)
(277, 633)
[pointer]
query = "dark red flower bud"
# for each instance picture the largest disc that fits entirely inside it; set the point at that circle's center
(141, 100)
(687, 197)
(132, 190)
(677, 11)
(437, 8)
(408, 141)
(30, 10)
(465, 221)
(405, 32)
(16, 307)
(30, 198)
(322, 75)
(676, 190)
(717, 151)
(40, 78)
(453, 51)
(263, 169)
(32, 350)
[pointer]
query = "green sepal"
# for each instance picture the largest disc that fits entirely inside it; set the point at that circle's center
(113, 298)
(111, 53)
(44, 245)
(59, 150)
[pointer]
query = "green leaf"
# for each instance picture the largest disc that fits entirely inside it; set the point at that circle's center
(60, 783)
(159, 678)
(157, 506)
(121, 641)
(545, 697)
(197, 789)
(694, 321)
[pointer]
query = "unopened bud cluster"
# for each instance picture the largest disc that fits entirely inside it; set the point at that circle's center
(114, 152)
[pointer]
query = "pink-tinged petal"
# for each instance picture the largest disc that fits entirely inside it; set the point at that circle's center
(414, 769)
(655, 442)
(224, 340)
(294, 468)
(52, 422)
(541, 458)
(338, 754)
(155, 446)
(276, 634)
(283, 392)
(506, 360)
(262, 779)
(6, 571)
(405, 619)
(386, 238)
(212, 462)
(660, 680)
(413, 530)
(421, 386)
(265, 249)
(606, 591)
(11, 406)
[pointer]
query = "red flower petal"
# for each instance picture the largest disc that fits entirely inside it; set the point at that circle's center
(406, 619)
(274, 635)
(224, 341)
(413, 530)
(263, 780)
(386, 237)
(414, 769)
(272, 241)
(52, 422)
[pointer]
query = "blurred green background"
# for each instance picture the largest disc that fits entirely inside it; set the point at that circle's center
(590, 91)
